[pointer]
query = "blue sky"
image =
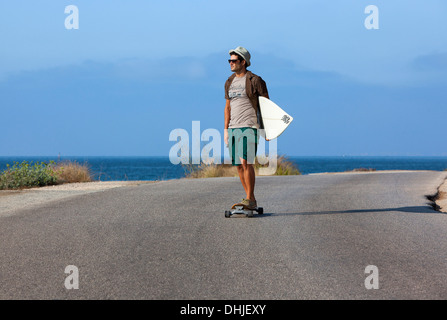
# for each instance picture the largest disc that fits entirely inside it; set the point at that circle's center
(135, 70)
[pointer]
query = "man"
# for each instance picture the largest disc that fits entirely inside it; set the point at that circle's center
(242, 119)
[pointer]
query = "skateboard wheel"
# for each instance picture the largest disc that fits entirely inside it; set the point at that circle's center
(250, 214)
(227, 214)
(260, 210)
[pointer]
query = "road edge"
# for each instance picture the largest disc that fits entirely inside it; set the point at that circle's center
(441, 197)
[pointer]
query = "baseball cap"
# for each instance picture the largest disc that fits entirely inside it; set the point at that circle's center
(243, 53)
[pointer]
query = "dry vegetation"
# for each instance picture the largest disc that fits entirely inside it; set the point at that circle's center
(27, 175)
(69, 172)
(284, 167)
(362, 170)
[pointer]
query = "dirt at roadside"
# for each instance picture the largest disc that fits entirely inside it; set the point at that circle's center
(11, 200)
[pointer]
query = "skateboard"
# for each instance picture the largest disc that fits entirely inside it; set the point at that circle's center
(239, 208)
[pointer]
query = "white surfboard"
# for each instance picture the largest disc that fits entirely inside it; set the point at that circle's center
(275, 119)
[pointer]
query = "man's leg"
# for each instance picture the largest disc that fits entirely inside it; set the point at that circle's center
(248, 163)
(246, 149)
(247, 176)
(241, 172)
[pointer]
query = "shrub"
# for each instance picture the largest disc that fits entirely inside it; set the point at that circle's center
(26, 175)
(362, 170)
(284, 167)
(209, 170)
(69, 172)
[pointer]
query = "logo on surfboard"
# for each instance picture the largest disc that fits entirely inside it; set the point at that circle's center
(286, 119)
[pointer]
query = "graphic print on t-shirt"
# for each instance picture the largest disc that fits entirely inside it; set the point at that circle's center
(237, 89)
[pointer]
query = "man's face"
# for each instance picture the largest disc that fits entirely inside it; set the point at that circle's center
(236, 64)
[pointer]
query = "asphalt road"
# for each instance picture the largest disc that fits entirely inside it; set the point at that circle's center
(171, 240)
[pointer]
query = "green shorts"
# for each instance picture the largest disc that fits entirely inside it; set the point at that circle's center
(242, 143)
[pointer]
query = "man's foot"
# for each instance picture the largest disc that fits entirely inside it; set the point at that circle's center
(250, 204)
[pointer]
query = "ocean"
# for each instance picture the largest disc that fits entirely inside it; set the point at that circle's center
(160, 168)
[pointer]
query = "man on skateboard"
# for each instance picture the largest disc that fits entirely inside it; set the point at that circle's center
(242, 119)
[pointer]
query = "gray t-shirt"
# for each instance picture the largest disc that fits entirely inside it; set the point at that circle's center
(242, 112)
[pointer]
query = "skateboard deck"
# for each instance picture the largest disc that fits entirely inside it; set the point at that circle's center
(239, 205)
(239, 208)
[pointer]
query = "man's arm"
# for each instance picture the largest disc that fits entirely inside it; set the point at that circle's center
(262, 88)
(227, 120)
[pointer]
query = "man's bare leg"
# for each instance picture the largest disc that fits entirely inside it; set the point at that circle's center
(241, 172)
(250, 181)
(247, 176)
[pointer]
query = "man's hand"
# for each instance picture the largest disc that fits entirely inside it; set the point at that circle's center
(226, 137)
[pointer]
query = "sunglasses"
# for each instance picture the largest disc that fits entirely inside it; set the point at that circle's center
(233, 60)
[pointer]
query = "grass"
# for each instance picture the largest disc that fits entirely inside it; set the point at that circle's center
(28, 175)
(72, 171)
(284, 167)
(362, 170)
